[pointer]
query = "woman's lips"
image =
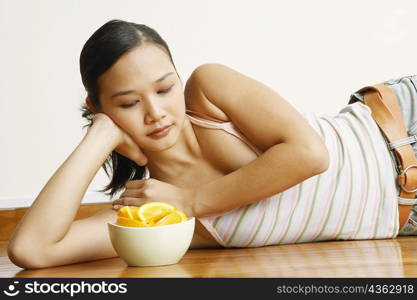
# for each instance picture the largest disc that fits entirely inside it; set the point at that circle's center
(165, 130)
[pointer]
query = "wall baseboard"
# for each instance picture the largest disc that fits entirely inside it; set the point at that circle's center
(90, 197)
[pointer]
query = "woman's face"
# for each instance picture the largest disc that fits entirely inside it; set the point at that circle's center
(142, 92)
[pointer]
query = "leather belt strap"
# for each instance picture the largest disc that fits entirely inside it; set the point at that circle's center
(386, 112)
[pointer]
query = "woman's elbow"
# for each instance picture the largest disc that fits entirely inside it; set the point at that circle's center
(25, 257)
(320, 158)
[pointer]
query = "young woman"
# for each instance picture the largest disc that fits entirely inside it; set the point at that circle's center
(224, 148)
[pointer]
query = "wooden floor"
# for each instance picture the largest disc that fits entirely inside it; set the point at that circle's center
(370, 258)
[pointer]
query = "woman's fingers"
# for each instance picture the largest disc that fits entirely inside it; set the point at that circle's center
(132, 196)
(117, 207)
(135, 184)
(137, 154)
(131, 150)
(136, 193)
(128, 201)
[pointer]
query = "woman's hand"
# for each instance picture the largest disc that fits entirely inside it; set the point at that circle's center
(142, 191)
(125, 145)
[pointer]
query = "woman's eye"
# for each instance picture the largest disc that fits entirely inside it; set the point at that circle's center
(129, 104)
(134, 103)
(165, 91)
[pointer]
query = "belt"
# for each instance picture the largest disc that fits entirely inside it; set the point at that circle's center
(387, 114)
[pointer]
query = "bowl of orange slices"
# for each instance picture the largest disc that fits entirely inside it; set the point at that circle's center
(153, 234)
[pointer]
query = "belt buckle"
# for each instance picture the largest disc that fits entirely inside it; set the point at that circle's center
(402, 173)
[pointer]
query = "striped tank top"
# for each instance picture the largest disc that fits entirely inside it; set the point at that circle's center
(355, 198)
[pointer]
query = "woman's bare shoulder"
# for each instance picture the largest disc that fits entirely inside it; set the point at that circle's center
(195, 99)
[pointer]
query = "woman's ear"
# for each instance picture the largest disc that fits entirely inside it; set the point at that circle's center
(90, 105)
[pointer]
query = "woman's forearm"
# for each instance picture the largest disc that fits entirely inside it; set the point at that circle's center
(51, 214)
(277, 169)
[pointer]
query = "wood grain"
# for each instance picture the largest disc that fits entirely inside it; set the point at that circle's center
(368, 258)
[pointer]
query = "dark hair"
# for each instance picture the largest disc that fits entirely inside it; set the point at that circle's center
(99, 53)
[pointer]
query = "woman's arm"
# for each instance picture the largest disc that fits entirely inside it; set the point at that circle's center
(279, 168)
(46, 235)
(293, 150)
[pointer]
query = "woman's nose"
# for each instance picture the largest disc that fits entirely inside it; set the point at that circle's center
(154, 111)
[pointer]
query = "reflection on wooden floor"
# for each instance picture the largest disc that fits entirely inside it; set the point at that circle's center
(369, 258)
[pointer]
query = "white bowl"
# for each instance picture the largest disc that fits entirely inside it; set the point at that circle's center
(152, 246)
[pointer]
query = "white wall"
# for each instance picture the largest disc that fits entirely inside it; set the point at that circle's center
(314, 53)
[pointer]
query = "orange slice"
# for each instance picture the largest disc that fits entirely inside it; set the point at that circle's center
(150, 213)
(176, 216)
(129, 212)
(122, 221)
